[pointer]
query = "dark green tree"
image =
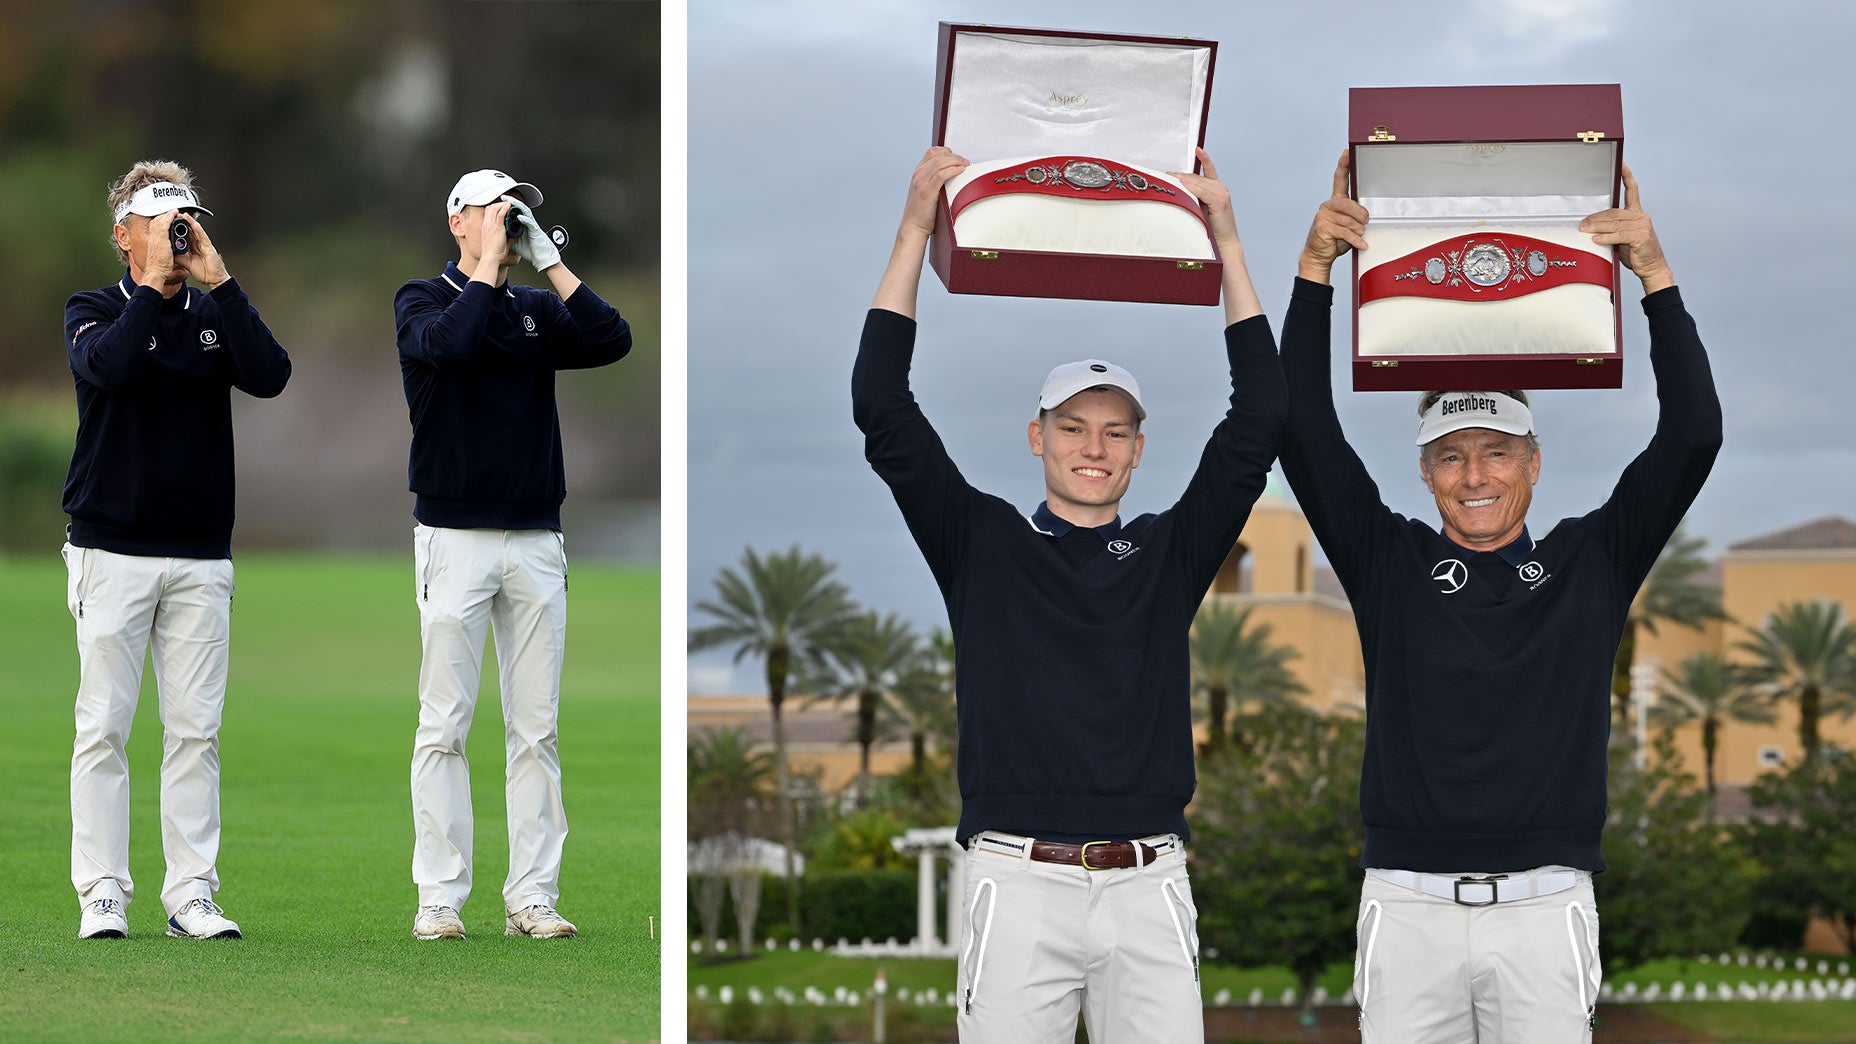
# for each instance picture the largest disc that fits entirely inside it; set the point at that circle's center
(1803, 840)
(1706, 688)
(1806, 651)
(1671, 886)
(1276, 844)
(1672, 593)
(777, 607)
(1236, 668)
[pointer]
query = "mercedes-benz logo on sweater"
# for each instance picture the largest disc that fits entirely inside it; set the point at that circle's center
(1451, 573)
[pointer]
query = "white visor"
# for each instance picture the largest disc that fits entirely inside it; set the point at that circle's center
(1477, 409)
(159, 198)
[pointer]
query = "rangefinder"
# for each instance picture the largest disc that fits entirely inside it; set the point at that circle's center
(178, 232)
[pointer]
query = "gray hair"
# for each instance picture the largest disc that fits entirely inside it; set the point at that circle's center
(143, 174)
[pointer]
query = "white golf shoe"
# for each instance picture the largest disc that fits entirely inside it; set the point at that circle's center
(202, 919)
(437, 922)
(539, 922)
(103, 919)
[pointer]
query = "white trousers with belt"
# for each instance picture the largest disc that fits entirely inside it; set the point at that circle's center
(1044, 941)
(1521, 971)
(122, 604)
(512, 583)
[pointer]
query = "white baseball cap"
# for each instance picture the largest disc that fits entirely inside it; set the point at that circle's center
(487, 186)
(159, 198)
(1070, 378)
(1476, 409)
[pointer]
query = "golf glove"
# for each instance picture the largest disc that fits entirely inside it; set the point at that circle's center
(533, 245)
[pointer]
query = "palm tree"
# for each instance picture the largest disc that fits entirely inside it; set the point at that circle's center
(776, 607)
(1670, 594)
(1708, 689)
(921, 706)
(1234, 664)
(861, 661)
(1806, 651)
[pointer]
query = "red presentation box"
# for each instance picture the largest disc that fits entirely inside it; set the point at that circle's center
(1135, 100)
(1477, 276)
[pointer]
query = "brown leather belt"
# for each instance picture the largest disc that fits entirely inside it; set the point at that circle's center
(1095, 855)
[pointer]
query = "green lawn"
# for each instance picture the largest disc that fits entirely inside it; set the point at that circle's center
(316, 850)
(1748, 1022)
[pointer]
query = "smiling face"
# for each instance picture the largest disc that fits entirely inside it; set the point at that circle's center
(1483, 482)
(1091, 445)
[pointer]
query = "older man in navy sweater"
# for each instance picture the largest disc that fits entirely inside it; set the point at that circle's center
(1070, 630)
(478, 357)
(149, 556)
(1488, 664)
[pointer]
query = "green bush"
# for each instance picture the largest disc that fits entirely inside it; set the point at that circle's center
(36, 436)
(843, 904)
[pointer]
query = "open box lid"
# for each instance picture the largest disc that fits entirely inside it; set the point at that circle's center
(1547, 153)
(1003, 92)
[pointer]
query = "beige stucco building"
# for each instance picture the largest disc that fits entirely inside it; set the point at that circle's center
(1816, 560)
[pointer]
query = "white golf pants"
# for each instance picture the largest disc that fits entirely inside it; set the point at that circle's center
(120, 604)
(514, 584)
(1045, 940)
(1519, 972)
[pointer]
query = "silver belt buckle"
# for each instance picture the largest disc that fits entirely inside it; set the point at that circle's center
(1489, 882)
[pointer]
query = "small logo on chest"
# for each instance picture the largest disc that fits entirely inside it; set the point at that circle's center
(1121, 549)
(1533, 574)
(209, 339)
(528, 323)
(1451, 574)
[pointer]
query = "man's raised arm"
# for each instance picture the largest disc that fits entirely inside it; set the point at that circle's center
(1330, 482)
(1659, 485)
(900, 444)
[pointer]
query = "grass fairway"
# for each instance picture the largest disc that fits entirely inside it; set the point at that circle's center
(317, 840)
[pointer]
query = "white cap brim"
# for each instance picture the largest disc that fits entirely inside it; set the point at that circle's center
(1459, 410)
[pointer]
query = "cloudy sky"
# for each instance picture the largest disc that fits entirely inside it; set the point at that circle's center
(806, 117)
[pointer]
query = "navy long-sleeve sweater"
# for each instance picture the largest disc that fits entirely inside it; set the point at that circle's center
(1071, 656)
(152, 473)
(478, 365)
(1488, 685)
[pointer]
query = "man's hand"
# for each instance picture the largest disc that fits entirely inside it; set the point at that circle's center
(158, 254)
(533, 245)
(1340, 225)
(495, 239)
(938, 166)
(202, 259)
(1628, 228)
(1216, 199)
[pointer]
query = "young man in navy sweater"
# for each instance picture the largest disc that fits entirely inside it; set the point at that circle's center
(1070, 629)
(149, 555)
(478, 357)
(1488, 665)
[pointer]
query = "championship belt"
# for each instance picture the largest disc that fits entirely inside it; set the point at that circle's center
(1074, 177)
(1484, 267)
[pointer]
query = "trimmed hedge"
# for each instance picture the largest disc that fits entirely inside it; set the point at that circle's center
(838, 904)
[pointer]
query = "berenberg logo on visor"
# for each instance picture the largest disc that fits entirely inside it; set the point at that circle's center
(1468, 403)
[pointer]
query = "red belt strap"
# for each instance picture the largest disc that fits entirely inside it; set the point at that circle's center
(1484, 266)
(1073, 177)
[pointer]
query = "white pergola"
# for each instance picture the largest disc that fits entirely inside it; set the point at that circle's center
(927, 844)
